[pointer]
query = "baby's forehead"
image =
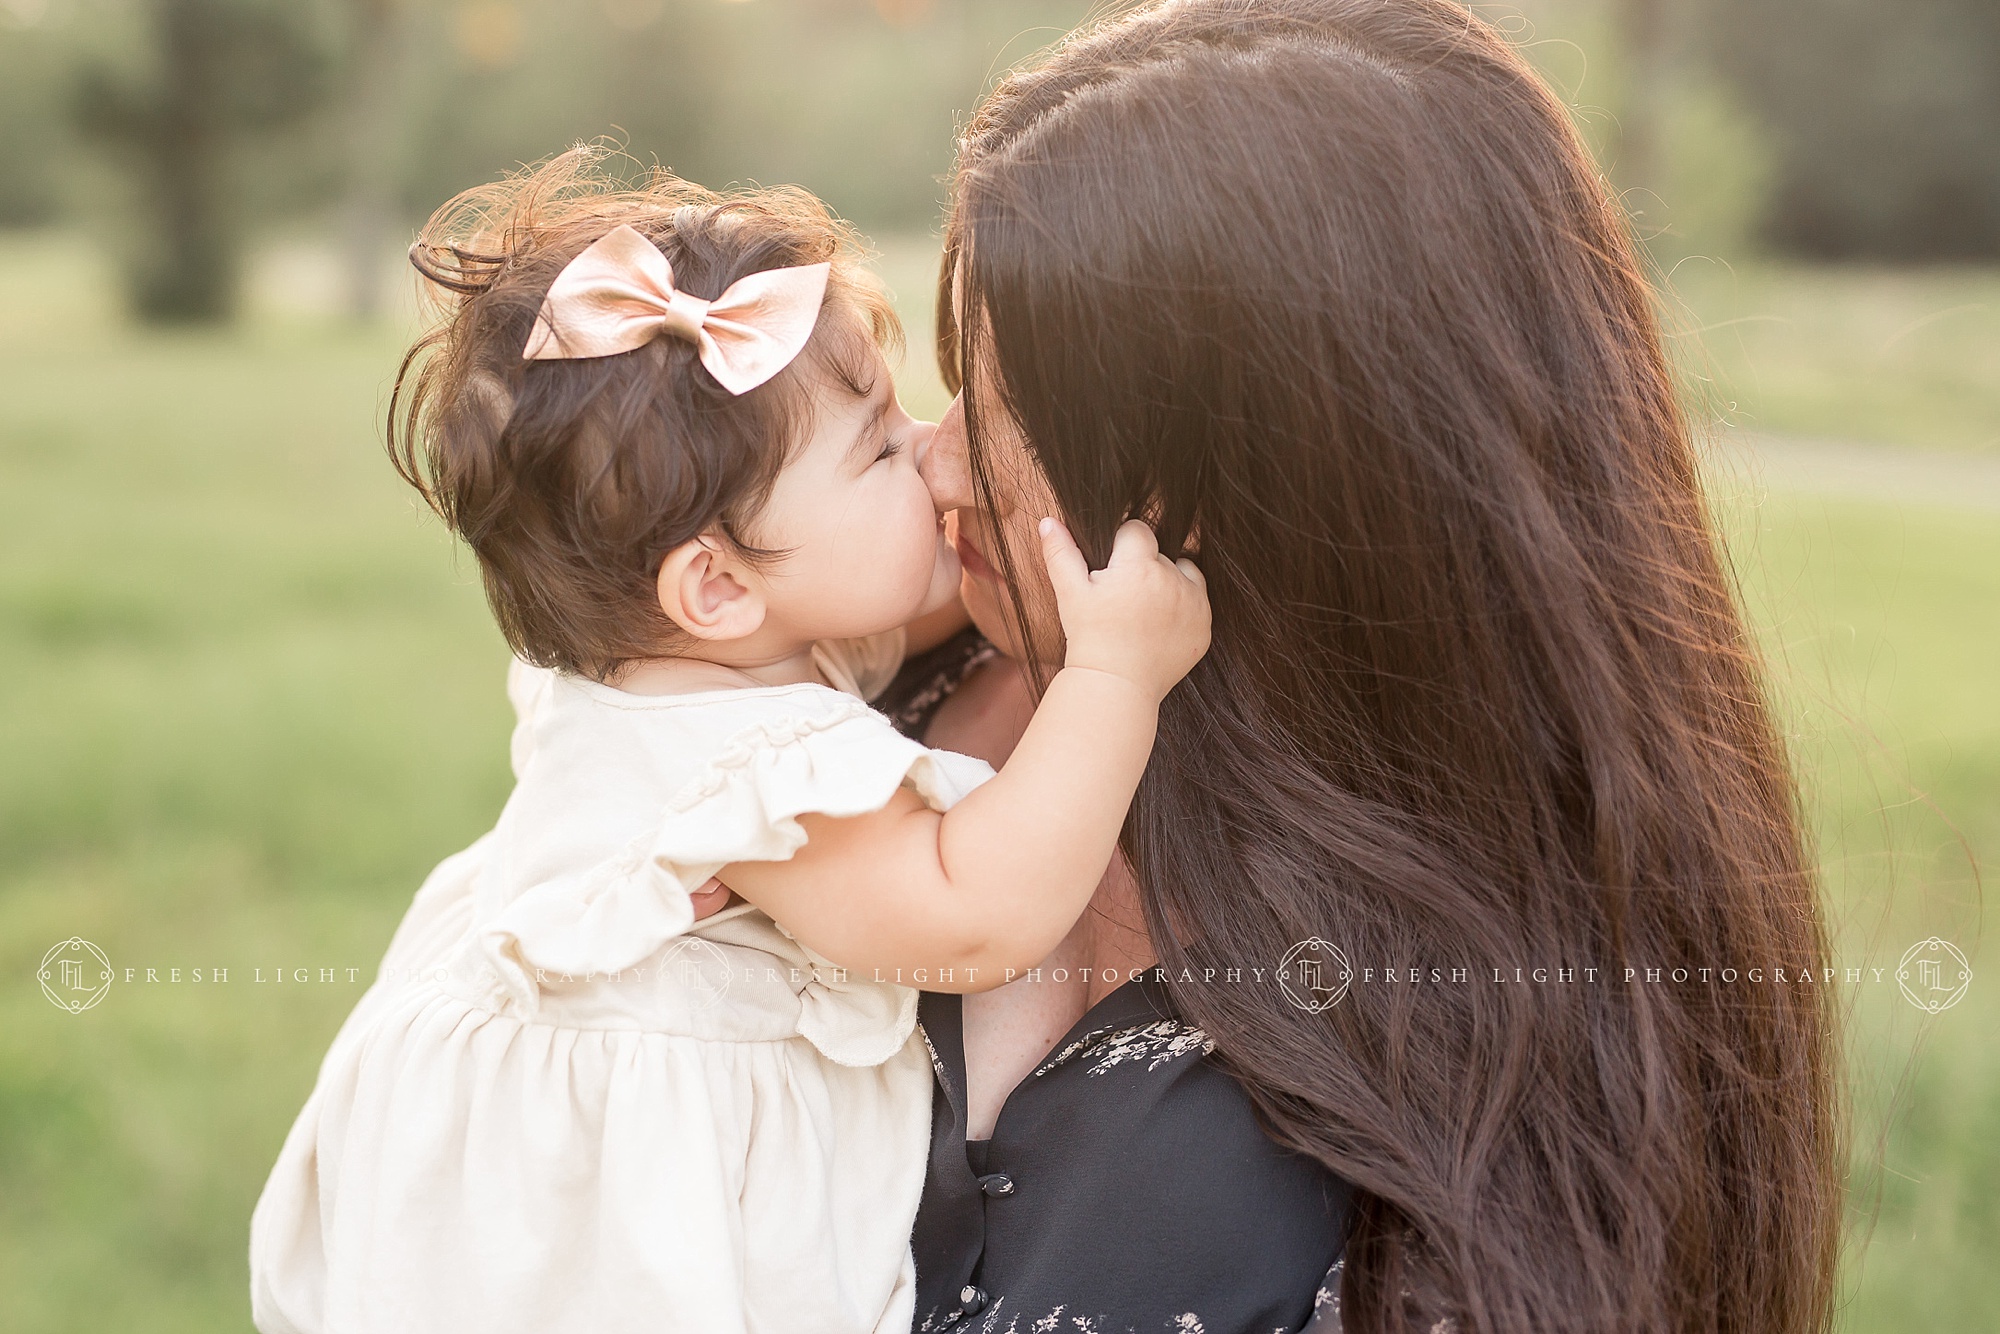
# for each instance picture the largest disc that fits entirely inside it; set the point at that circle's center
(846, 361)
(844, 401)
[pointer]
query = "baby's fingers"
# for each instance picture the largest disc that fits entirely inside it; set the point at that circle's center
(1134, 543)
(1068, 571)
(1193, 573)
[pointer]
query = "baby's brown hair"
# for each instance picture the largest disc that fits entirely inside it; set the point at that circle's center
(571, 480)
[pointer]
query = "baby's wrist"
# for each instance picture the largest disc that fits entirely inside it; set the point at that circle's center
(1111, 678)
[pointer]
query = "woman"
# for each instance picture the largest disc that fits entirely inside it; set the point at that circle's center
(1330, 292)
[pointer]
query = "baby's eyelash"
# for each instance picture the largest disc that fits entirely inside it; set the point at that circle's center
(889, 450)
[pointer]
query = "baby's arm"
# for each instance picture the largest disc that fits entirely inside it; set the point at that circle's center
(998, 880)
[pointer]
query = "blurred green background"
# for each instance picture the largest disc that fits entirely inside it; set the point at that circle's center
(252, 694)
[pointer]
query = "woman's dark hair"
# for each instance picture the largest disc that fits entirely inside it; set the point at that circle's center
(1331, 291)
(572, 479)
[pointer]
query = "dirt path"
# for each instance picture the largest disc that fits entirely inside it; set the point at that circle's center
(1868, 472)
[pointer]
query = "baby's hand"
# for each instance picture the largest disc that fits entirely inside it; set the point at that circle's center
(1142, 617)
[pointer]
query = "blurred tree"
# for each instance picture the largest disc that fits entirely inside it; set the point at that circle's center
(1827, 127)
(1884, 119)
(856, 100)
(1649, 54)
(32, 69)
(373, 110)
(213, 76)
(1690, 160)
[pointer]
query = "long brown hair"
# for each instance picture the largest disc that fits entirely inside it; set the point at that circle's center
(1331, 290)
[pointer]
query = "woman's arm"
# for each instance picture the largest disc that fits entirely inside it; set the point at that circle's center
(996, 882)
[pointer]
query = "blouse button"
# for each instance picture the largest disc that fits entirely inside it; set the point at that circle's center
(971, 1300)
(997, 1184)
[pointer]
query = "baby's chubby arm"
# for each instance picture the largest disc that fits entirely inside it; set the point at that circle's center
(997, 881)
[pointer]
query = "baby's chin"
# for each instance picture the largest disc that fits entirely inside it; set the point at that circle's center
(945, 576)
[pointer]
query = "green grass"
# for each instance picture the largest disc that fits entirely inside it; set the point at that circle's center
(1882, 624)
(249, 694)
(1895, 357)
(252, 696)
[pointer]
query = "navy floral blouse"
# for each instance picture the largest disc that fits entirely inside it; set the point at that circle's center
(1127, 1187)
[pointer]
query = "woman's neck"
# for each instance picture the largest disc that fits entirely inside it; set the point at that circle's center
(1009, 1030)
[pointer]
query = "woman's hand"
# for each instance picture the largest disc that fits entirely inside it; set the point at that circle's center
(1142, 617)
(710, 899)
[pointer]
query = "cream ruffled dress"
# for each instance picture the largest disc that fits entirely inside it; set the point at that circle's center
(564, 1105)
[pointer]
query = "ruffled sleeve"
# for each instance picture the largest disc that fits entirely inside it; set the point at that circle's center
(836, 758)
(843, 761)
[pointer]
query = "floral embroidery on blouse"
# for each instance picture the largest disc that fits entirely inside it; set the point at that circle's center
(1326, 1301)
(1326, 1306)
(928, 679)
(1062, 1320)
(1155, 1044)
(937, 1061)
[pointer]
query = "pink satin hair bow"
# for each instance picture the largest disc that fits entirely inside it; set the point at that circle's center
(619, 294)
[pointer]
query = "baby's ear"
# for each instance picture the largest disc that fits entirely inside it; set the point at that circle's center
(708, 592)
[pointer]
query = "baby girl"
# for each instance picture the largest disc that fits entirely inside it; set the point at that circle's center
(639, 1058)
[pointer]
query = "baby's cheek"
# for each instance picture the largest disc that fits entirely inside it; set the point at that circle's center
(919, 544)
(887, 563)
